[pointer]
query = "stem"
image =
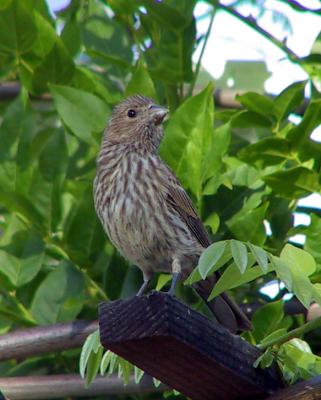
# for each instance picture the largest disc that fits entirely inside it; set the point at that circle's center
(94, 285)
(198, 65)
(25, 313)
(309, 326)
(251, 23)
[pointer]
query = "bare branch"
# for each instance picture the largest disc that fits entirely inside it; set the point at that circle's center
(62, 386)
(44, 339)
(224, 98)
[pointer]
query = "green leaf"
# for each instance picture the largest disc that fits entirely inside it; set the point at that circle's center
(195, 276)
(273, 336)
(125, 369)
(93, 365)
(239, 254)
(141, 83)
(21, 259)
(83, 113)
(188, 137)
(313, 238)
(298, 258)
(241, 174)
(311, 120)
(119, 62)
(17, 28)
(57, 67)
(268, 151)
(138, 374)
(105, 362)
(247, 224)
(169, 58)
(213, 162)
(232, 277)
(162, 280)
(109, 362)
(209, 258)
(257, 103)
(289, 99)
(91, 344)
(267, 319)
(293, 267)
(213, 221)
(109, 36)
(83, 234)
(70, 36)
(293, 183)
(166, 15)
(60, 296)
(54, 149)
(265, 360)
(260, 256)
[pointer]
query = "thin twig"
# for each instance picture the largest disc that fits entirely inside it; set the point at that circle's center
(299, 7)
(198, 65)
(301, 330)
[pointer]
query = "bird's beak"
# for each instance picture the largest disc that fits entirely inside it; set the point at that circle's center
(158, 113)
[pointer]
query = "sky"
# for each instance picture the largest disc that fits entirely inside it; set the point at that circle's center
(230, 39)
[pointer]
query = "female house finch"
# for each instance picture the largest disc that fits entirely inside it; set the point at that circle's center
(144, 210)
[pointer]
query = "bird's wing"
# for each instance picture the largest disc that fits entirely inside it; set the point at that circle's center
(180, 201)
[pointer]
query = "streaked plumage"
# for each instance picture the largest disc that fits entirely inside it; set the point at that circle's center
(142, 206)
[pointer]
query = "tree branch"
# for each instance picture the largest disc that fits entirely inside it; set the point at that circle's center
(44, 339)
(224, 98)
(67, 386)
(299, 7)
(199, 61)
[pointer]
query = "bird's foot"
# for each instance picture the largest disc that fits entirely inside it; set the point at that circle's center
(176, 278)
(143, 288)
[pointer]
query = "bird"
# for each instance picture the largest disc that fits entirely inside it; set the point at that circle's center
(145, 211)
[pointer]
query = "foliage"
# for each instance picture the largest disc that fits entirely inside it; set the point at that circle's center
(251, 169)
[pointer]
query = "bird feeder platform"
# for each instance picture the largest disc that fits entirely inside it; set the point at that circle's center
(184, 349)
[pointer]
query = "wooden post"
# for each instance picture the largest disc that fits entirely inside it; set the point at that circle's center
(306, 390)
(184, 349)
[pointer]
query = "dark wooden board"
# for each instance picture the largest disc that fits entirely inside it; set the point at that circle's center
(184, 349)
(307, 390)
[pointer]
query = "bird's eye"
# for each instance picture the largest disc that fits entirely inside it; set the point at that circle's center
(131, 113)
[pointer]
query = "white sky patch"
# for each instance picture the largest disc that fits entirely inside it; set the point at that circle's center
(56, 5)
(313, 200)
(271, 289)
(316, 134)
(300, 219)
(231, 39)
(267, 227)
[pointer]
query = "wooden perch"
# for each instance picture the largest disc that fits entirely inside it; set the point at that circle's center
(184, 349)
(307, 390)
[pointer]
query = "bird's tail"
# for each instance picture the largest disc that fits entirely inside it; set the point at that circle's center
(225, 310)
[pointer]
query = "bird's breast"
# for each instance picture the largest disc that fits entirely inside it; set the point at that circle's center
(128, 201)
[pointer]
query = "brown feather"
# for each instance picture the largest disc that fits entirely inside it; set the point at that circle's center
(180, 201)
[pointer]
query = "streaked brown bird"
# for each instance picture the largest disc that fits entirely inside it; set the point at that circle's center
(143, 208)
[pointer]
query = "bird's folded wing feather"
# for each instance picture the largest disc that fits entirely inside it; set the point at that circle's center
(180, 201)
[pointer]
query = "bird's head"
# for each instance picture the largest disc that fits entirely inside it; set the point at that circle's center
(137, 120)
